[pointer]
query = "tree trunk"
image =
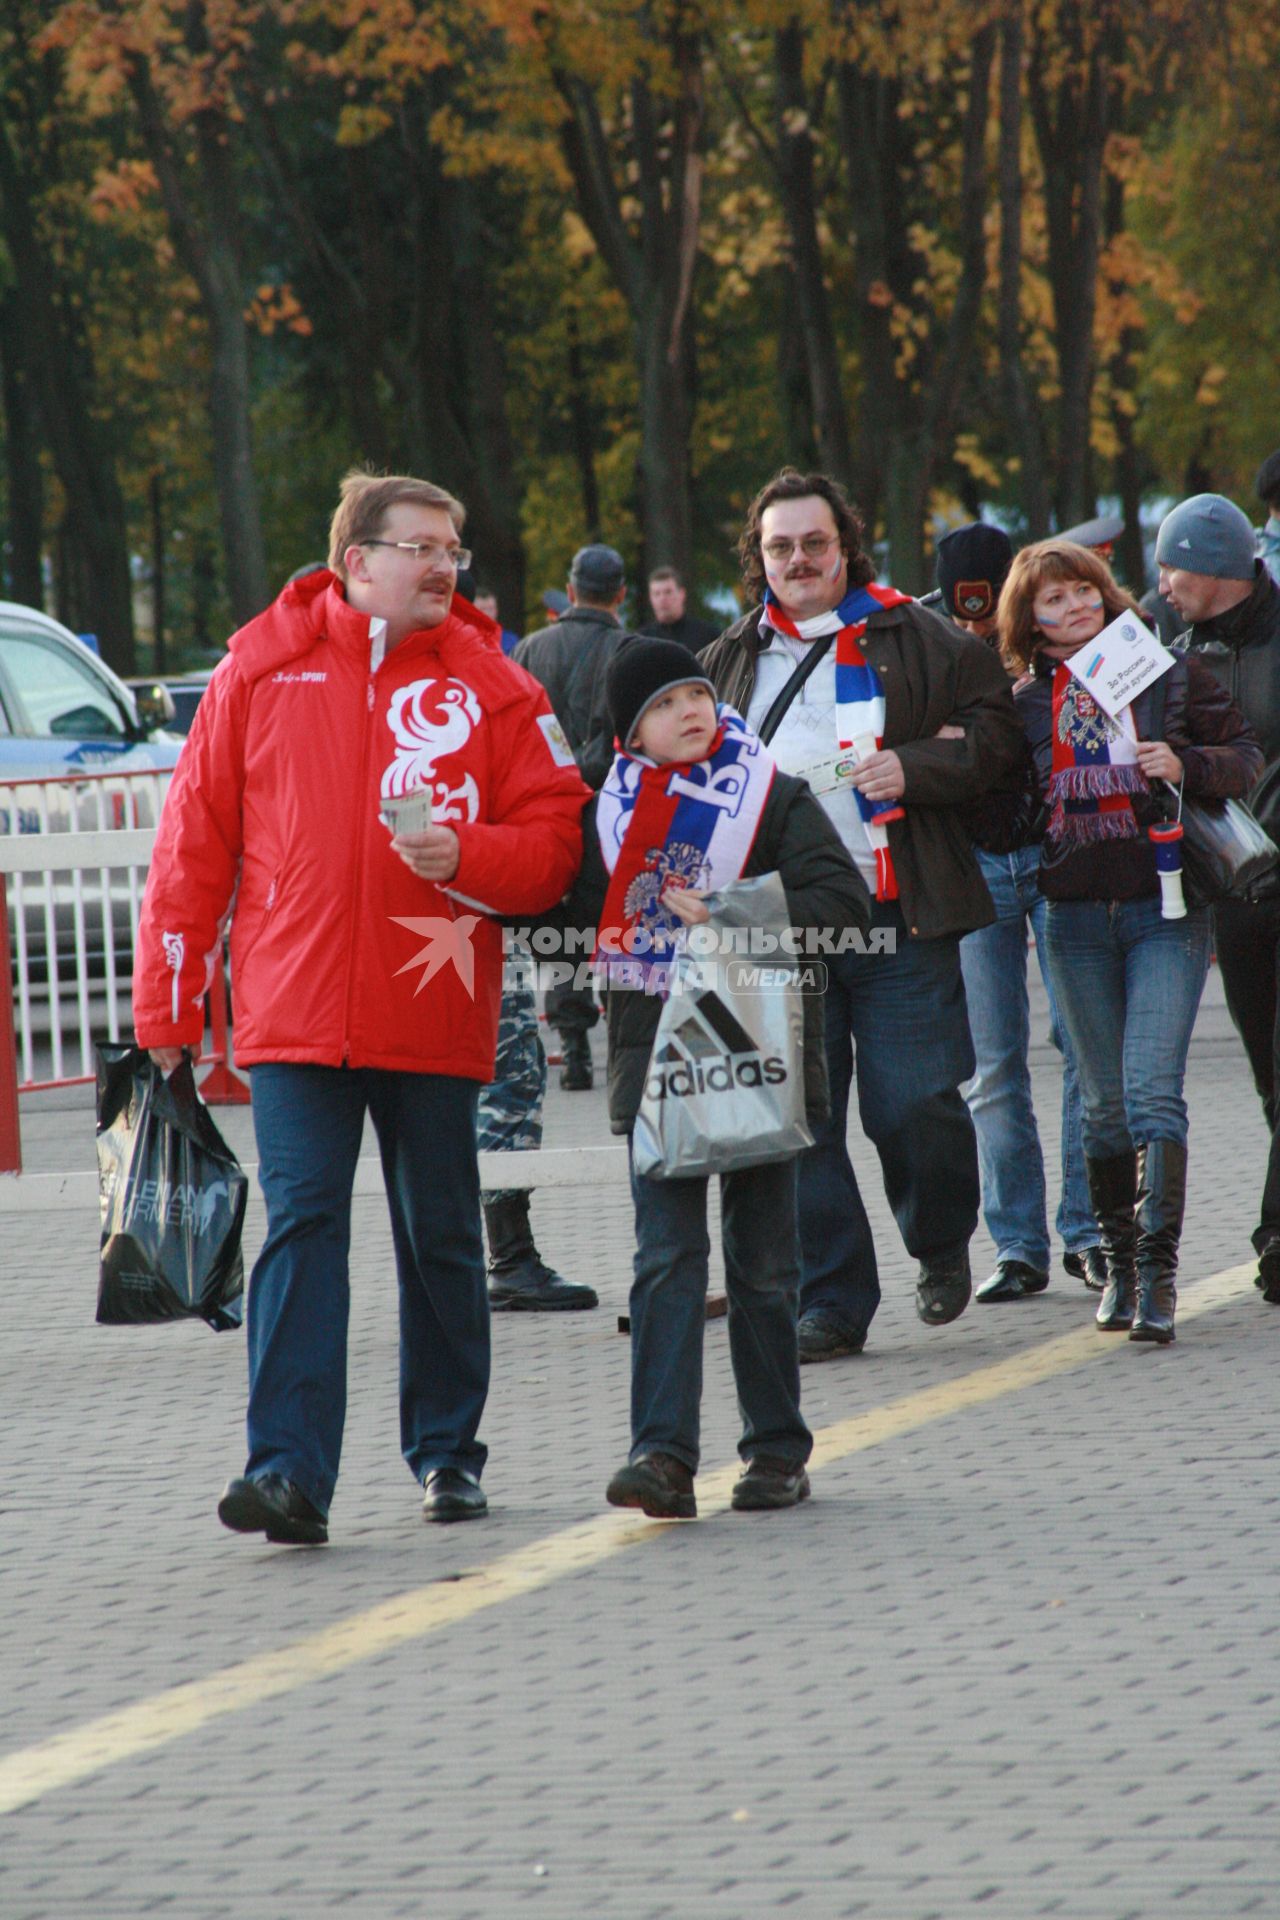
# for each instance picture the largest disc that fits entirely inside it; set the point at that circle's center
(22, 463)
(239, 513)
(652, 267)
(156, 499)
(665, 414)
(799, 204)
(1022, 412)
(795, 394)
(478, 354)
(456, 412)
(209, 251)
(1071, 132)
(1123, 369)
(906, 503)
(581, 434)
(908, 417)
(870, 132)
(63, 375)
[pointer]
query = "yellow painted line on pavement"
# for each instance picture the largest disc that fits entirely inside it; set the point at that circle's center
(32, 1772)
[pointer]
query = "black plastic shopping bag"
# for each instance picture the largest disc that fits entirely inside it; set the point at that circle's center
(173, 1198)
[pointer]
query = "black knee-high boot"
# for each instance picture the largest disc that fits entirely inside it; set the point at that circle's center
(1113, 1187)
(1162, 1198)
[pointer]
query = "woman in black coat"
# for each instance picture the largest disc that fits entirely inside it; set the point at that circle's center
(1127, 980)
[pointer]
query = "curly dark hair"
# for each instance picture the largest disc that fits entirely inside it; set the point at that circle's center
(791, 484)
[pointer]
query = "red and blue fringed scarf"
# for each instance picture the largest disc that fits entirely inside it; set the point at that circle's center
(686, 824)
(1095, 767)
(859, 703)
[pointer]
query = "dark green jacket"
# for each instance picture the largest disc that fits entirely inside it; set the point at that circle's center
(933, 676)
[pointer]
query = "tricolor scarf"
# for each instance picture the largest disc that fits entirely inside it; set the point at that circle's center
(859, 700)
(1095, 767)
(693, 823)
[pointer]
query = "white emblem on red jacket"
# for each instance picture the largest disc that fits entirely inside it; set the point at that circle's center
(432, 720)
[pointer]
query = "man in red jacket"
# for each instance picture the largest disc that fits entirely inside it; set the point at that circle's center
(367, 960)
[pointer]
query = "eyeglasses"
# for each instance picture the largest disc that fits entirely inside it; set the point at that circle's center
(427, 550)
(813, 546)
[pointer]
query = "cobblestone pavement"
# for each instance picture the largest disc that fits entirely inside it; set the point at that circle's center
(1020, 1655)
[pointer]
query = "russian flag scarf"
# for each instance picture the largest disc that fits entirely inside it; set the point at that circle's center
(859, 702)
(685, 824)
(1095, 767)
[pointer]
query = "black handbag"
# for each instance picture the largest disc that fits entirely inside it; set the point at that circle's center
(1226, 853)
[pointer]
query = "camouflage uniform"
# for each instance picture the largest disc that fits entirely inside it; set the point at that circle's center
(510, 1121)
(510, 1113)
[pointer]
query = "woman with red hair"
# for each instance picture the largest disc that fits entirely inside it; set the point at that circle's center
(1127, 981)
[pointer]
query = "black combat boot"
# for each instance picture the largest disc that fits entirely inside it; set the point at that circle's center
(575, 1072)
(1162, 1198)
(518, 1280)
(1113, 1188)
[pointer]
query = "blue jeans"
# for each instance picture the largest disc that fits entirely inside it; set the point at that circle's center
(668, 1312)
(905, 1013)
(308, 1122)
(1128, 984)
(994, 960)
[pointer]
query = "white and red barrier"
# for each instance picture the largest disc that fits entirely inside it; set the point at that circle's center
(73, 864)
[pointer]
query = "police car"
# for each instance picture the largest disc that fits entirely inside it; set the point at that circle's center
(63, 712)
(65, 720)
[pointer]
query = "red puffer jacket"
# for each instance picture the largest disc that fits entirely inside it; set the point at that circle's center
(340, 953)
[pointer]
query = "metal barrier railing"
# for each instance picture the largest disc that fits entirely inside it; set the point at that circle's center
(73, 919)
(73, 863)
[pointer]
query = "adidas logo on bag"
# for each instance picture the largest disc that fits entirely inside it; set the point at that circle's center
(710, 1052)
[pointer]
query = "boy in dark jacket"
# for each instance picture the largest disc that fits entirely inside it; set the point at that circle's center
(652, 846)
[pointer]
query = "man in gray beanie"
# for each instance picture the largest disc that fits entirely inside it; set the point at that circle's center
(1230, 605)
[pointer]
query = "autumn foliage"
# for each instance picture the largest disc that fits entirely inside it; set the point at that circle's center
(599, 266)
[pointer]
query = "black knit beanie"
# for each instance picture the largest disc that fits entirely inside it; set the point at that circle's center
(1267, 484)
(639, 672)
(972, 564)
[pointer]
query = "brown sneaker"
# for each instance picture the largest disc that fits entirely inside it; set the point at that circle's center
(657, 1483)
(769, 1484)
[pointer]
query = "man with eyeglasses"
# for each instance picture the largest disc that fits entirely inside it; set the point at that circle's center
(373, 786)
(898, 720)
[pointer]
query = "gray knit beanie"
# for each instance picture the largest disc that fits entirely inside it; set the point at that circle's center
(1206, 534)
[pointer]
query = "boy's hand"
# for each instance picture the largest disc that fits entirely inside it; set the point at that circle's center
(687, 904)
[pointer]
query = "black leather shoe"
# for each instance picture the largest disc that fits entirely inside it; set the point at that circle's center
(450, 1493)
(769, 1484)
(944, 1288)
(272, 1505)
(1012, 1280)
(1088, 1264)
(824, 1336)
(657, 1483)
(1268, 1281)
(576, 1071)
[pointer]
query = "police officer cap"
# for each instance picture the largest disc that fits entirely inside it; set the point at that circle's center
(1102, 532)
